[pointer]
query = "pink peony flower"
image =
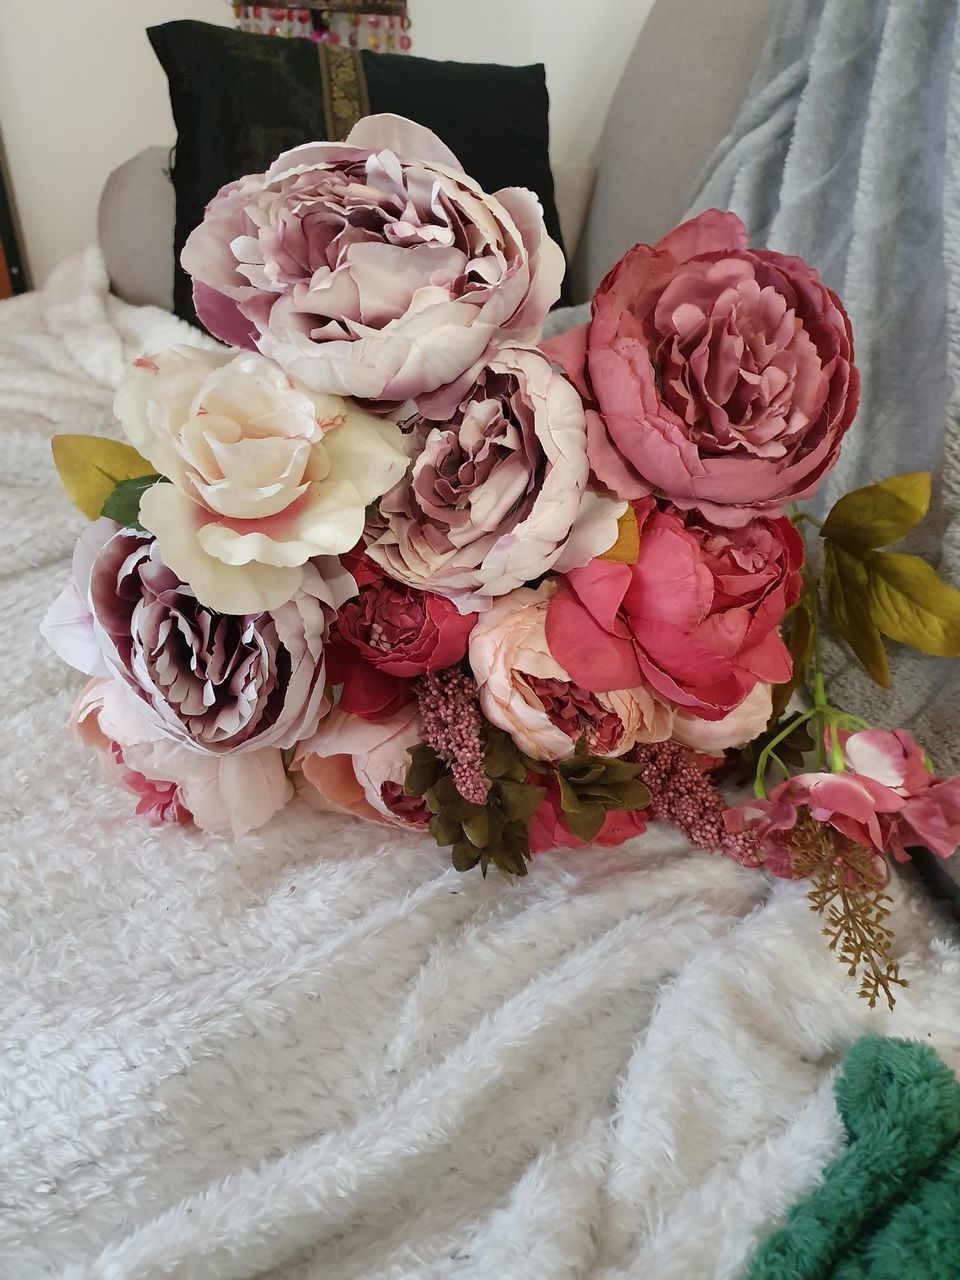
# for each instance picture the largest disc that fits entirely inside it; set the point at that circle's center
(496, 495)
(526, 692)
(719, 375)
(264, 475)
(695, 618)
(358, 766)
(930, 815)
(887, 800)
(373, 267)
(736, 729)
(224, 794)
(209, 680)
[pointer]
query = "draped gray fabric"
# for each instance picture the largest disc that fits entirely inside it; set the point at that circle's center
(847, 153)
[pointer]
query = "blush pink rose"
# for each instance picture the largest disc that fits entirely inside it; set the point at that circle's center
(373, 267)
(719, 375)
(736, 729)
(358, 766)
(224, 794)
(694, 619)
(526, 692)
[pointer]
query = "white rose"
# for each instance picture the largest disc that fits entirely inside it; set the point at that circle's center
(265, 474)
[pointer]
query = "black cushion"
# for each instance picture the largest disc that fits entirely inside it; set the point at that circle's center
(239, 99)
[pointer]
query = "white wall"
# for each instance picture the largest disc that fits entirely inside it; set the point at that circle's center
(84, 94)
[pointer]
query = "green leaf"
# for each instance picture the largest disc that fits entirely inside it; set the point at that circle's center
(477, 829)
(880, 513)
(123, 505)
(464, 856)
(425, 770)
(91, 467)
(798, 634)
(849, 607)
(586, 821)
(911, 603)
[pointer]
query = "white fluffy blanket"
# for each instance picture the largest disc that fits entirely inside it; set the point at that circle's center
(322, 1052)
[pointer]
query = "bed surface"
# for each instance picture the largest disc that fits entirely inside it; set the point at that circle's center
(320, 1051)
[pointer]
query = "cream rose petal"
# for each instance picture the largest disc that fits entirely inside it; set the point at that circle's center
(247, 588)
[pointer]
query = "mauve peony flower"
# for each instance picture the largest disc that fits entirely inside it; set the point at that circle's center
(358, 766)
(496, 495)
(526, 692)
(736, 729)
(218, 682)
(265, 475)
(719, 375)
(224, 794)
(373, 267)
(695, 618)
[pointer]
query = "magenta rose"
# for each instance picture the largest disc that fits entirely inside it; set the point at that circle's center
(719, 375)
(373, 267)
(497, 493)
(695, 618)
(216, 681)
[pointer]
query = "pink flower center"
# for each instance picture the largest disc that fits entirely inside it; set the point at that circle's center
(577, 712)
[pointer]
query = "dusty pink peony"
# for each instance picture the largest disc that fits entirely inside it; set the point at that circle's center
(373, 267)
(223, 683)
(695, 618)
(358, 766)
(526, 692)
(224, 794)
(264, 475)
(497, 494)
(719, 375)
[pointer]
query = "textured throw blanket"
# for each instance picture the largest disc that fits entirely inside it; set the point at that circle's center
(321, 1051)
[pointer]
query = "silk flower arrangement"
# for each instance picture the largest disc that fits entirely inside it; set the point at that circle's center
(383, 551)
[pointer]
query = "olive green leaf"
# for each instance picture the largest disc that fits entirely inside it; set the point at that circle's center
(909, 602)
(91, 467)
(123, 505)
(848, 603)
(798, 637)
(880, 513)
(425, 770)
(590, 786)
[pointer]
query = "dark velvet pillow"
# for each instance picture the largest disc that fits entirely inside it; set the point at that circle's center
(240, 99)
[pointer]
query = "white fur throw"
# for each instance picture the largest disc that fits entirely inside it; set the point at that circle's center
(320, 1051)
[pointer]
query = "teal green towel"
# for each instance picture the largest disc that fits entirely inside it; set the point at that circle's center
(889, 1208)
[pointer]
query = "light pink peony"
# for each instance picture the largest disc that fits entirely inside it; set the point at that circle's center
(497, 494)
(719, 375)
(736, 729)
(224, 794)
(695, 618)
(264, 475)
(373, 267)
(222, 683)
(524, 690)
(358, 766)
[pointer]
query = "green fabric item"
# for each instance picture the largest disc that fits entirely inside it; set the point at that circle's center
(889, 1208)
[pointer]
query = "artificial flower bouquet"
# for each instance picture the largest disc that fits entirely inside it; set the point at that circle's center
(384, 551)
